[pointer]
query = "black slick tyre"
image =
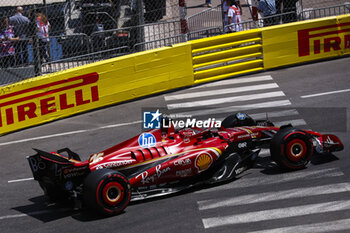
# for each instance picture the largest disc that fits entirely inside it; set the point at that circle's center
(106, 191)
(291, 148)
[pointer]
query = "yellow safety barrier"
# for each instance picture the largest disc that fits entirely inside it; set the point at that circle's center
(227, 55)
(306, 41)
(62, 94)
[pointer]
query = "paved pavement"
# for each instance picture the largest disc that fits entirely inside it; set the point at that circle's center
(260, 95)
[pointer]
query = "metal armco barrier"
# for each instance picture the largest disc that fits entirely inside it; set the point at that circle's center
(227, 55)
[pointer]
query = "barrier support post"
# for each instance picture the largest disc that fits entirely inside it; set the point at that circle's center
(183, 20)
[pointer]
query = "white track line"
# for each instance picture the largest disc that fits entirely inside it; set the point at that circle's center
(280, 213)
(40, 212)
(225, 100)
(331, 226)
(274, 196)
(297, 122)
(119, 125)
(283, 113)
(232, 109)
(235, 81)
(68, 133)
(245, 182)
(43, 137)
(221, 91)
(20, 180)
(268, 115)
(325, 93)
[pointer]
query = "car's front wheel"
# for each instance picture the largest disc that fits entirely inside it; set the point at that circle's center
(291, 148)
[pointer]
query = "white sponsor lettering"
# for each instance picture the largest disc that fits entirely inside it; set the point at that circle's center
(117, 164)
(95, 158)
(146, 179)
(184, 173)
(36, 164)
(242, 145)
(243, 136)
(160, 172)
(239, 170)
(182, 162)
(330, 141)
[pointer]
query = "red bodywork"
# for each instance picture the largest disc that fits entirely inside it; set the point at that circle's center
(182, 154)
(163, 161)
(189, 153)
(175, 155)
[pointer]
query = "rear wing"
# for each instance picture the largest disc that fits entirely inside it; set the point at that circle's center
(46, 164)
(49, 164)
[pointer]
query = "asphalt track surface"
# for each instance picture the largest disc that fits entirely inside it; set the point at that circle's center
(315, 199)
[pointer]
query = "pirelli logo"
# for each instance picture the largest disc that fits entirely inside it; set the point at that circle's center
(333, 38)
(47, 99)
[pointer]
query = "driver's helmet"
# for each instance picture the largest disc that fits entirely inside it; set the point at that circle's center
(238, 119)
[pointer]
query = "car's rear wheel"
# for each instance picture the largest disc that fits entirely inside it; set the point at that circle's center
(291, 148)
(106, 191)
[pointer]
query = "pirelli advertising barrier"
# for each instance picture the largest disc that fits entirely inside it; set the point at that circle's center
(306, 41)
(62, 94)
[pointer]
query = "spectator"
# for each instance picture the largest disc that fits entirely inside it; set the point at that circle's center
(254, 10)
(98, 36)
(21, 25)
(289, 6)
(208, 3)
(234, 17)
(43, 27)
(268, 9)
(239, 6)
(226, 6)
(7, 40)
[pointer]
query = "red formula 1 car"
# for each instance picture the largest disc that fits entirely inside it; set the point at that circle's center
(164, 161)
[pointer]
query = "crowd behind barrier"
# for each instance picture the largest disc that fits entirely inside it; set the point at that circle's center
(70, 33)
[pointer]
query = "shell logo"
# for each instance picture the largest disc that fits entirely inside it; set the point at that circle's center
(203, 161)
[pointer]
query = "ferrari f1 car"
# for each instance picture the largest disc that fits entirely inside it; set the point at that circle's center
(163, 161)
